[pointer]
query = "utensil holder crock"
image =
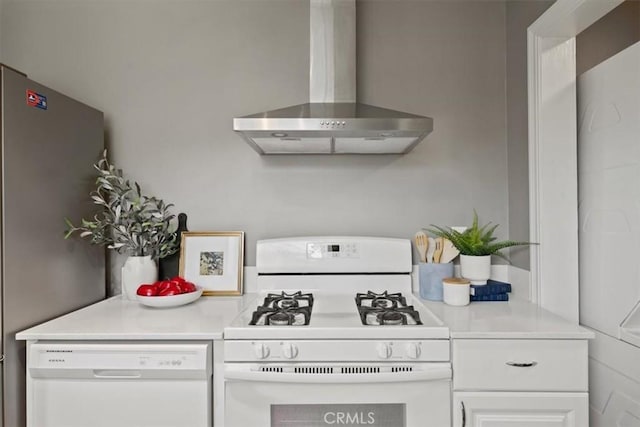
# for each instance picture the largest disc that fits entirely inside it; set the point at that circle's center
(430, 277)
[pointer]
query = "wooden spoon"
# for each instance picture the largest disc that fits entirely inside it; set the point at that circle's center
(431, 249)
(449, 252)
(437, 255)
(422, 244)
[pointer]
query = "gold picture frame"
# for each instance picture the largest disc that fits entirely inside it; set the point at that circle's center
(213, 260)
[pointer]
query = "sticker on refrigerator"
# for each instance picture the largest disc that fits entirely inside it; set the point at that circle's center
(37, 100)
(322, 415)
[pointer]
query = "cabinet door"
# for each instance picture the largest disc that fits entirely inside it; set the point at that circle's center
(494, 409)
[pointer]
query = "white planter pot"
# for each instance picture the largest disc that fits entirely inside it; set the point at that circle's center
(136, 271)
(477, 269)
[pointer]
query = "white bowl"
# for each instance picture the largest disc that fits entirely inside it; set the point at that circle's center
(170, 300)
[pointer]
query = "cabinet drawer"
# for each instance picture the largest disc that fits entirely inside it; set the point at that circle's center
(532, 365)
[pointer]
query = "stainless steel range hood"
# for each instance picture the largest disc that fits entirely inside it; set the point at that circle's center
(333, 123)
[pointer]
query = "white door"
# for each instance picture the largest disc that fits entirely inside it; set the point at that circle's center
(517, 409)
(609, 232)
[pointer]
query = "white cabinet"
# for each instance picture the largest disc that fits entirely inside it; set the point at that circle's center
(520, 409)
(520, 383)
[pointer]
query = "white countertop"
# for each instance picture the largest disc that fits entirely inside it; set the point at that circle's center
(514, 319)
(120, 319)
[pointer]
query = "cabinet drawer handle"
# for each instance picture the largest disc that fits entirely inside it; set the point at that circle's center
(522, 365)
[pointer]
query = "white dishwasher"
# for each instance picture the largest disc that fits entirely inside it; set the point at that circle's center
(138, 384)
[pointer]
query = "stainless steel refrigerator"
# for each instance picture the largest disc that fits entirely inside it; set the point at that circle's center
(49, 144)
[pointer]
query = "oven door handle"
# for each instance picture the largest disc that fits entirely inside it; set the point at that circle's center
(435, 374)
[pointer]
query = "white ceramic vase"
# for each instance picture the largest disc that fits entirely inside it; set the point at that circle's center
(136, 271)
(477, 269)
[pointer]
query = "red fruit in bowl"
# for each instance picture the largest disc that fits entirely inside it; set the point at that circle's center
(171, 289)
(188, 287)
(163, 285)
(147, 290)
(178, 284)
(178, 279)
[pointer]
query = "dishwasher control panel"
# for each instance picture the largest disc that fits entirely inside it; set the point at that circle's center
(139, 356)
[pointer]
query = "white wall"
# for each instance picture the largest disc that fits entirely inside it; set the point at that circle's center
(608, 58)
(609, 191)
(171, 75)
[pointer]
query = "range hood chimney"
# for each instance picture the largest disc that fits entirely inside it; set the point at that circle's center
(333, 122)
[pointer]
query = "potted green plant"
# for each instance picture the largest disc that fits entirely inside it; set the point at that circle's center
(476, 245)
(129, 222)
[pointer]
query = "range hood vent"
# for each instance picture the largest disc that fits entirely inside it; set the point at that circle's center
(333, 122)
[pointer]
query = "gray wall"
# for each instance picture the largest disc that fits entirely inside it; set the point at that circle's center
(446, 60)
(611, 34)
(520, 14)
(170, 76)
(1, 56)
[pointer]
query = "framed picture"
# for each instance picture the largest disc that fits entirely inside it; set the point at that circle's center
(213, 260)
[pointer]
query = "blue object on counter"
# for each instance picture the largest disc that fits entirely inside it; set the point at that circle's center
(494, 297)
(430, 277)
(493, 287)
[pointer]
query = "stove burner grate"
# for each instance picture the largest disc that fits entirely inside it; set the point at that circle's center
(285, 300)
(284, 310)
(391, 318)
(373, 316)
(383, 299)
(386, 309)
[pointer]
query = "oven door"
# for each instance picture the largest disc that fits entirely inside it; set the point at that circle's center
(331, 394)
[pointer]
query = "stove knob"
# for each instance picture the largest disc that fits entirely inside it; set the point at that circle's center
(384, 350)
(289, 351)
(261, 350)
(414, 350)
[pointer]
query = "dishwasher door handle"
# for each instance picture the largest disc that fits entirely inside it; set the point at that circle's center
(116, 374)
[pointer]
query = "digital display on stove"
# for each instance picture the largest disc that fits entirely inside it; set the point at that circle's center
(320, 250)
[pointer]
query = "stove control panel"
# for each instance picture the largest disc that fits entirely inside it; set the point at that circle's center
(333, 254)
(430, 350)
(332, 250)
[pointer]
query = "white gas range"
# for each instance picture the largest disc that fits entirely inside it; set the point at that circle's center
(336, 338)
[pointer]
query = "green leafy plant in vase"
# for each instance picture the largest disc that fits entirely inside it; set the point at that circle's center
(476, 245)
(129, 222)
